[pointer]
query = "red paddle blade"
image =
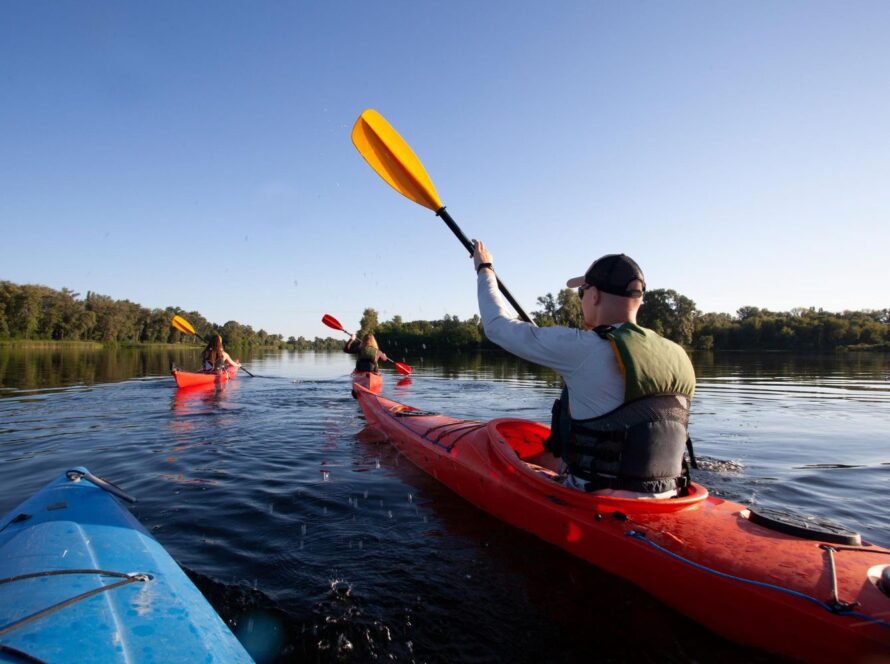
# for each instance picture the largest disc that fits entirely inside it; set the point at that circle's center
(403, 369)
(330, 321)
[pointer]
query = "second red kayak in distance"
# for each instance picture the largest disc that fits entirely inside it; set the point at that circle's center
(370, 380)
(210, 377)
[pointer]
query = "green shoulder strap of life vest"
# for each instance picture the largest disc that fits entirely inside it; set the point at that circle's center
(651, 364)
(368, 353)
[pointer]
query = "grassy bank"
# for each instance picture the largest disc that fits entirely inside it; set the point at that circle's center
(85, 345)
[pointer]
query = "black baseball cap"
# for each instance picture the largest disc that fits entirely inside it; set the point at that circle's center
(613, 274)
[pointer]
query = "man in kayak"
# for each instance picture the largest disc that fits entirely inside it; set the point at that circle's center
(368, 352)
(620, 425)
(215, 357)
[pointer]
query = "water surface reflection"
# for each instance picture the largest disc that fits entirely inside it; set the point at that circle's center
(320, 544)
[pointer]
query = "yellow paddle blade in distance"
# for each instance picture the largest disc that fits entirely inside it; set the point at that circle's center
(182, 325)
(393, 159)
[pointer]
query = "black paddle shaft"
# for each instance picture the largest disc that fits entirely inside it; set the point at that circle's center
(443, 213)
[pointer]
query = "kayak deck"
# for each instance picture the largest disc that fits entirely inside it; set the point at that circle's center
(132, 602)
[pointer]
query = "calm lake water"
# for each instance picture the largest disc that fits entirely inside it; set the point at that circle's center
(317, 546)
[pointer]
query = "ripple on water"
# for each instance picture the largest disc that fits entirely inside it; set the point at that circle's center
(316, 543)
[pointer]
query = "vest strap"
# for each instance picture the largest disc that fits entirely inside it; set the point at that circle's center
(692, 461)
(599, 482)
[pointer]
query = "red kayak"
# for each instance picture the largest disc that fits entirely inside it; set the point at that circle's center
(370, 380)
(211, 377)
(767, 578)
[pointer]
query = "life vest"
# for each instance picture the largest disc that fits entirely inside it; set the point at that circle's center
(367, 359)
(639, 445)
(207, 360)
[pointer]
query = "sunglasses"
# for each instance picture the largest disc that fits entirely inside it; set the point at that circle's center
(581, 289)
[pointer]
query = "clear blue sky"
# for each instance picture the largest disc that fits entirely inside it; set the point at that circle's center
(198, 154)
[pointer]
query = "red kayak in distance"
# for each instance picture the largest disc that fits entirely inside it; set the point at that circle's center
(767, 578)
(370, 380)
(210, 377)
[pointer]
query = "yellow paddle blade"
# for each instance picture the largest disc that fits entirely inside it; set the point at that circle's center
(182, 325)
(393, 159)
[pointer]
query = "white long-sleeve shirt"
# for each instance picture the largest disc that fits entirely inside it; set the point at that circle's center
(585, 361)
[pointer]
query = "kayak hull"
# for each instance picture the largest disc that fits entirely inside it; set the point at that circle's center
(370, 380)
(699, 554)
(199, 378)
(75, 527)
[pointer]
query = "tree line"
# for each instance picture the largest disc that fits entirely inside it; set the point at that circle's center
(672, 315)
(32, 312)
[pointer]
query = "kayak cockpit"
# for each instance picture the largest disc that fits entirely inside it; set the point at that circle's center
(526, 439)
(519, 445)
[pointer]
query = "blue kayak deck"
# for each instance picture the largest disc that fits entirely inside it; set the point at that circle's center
(158, 615)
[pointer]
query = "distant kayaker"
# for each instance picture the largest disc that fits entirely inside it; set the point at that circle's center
(620, 425)
(368, 352)
(215, 357)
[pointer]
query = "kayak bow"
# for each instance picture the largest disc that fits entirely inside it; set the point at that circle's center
(370, 380)
(745, 573)
(82, 580)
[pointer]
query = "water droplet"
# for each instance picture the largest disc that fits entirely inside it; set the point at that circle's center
(343, 644)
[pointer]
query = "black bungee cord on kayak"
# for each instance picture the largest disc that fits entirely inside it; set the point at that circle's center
(834, 605)
(75, 475)
(126, 579)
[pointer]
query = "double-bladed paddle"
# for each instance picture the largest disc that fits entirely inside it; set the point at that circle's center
(185, 327)
(332, 322)
(394, 160)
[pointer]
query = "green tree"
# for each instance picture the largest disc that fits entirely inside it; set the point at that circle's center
(368, 323)
(568, 311)
(546, 316)
(232, 334)
(670, 314)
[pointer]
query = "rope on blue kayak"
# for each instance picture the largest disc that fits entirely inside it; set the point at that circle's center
(127, 579)
(76, 474)
(839, 609)
(59, 572)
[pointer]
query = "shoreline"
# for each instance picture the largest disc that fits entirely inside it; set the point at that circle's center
(87, 345)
